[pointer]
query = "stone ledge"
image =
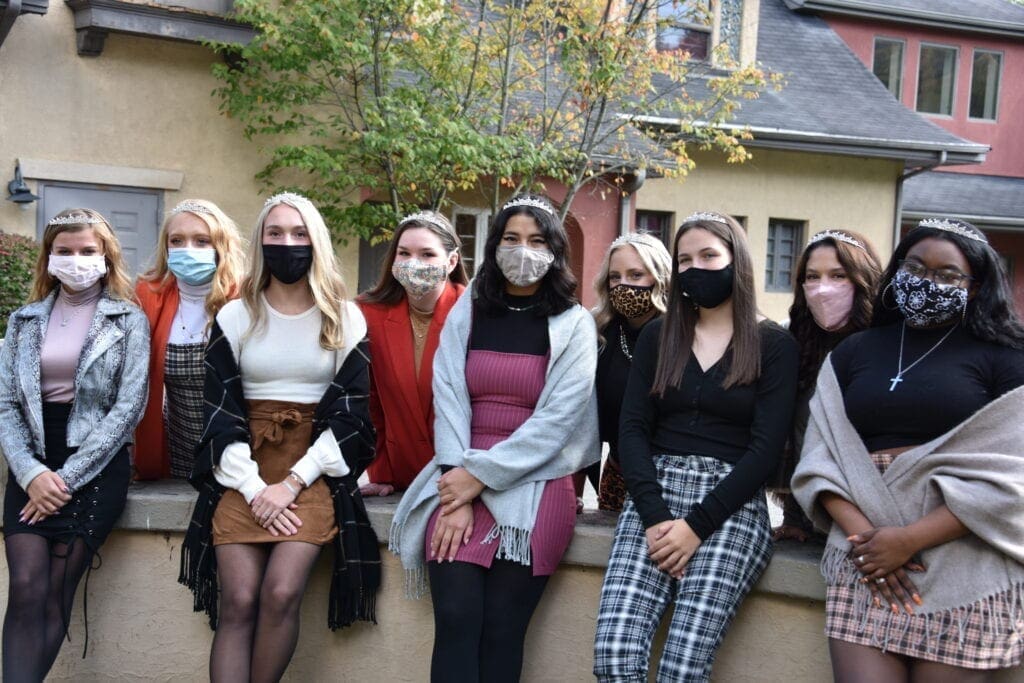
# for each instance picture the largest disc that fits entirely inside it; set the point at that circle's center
(793, 572)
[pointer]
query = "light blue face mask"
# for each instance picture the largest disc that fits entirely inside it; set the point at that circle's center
(192, 266)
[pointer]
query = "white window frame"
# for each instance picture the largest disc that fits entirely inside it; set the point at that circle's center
(956, 69)
(480, 234)
(999, 83)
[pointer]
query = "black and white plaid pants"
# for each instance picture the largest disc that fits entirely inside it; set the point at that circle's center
(636, 593)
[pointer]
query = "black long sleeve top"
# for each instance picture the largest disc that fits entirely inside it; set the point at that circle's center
(960, 376)
(746, 426)
(612, 374)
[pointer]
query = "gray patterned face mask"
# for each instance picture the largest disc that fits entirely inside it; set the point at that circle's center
(924, 303)
(523, 266)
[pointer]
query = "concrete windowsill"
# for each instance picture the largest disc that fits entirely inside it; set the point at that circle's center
(167, 506)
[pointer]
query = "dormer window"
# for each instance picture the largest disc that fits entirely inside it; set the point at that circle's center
(685, 25)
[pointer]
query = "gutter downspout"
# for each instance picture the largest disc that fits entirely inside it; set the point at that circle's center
(8, 18)
(898, 218)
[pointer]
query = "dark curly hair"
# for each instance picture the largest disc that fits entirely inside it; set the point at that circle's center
(864, 270)
(557, 287)
(990, 314)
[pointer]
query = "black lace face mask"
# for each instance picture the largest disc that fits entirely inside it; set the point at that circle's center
(926, 304)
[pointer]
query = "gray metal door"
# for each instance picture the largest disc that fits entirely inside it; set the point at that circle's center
(134, 214)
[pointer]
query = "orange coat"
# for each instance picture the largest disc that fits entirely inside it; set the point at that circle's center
(401, 404)
(159, 301)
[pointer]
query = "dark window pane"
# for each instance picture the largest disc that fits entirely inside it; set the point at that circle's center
(783, 245)
(888, 64)
(985, 84)
(936, 79)
(465, 227)
(685, 25)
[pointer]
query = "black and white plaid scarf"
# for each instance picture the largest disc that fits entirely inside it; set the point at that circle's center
(344, 410)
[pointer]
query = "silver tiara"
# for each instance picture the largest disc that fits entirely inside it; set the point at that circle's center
(529, 201)
(706, 216)
(191, 207)
(76, 219)
(838, 235)
(426, 218)
(289, 197)
(954, 227)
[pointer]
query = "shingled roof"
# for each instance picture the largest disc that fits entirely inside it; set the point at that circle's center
(1000, 17)
(831, 103)
(984, 199)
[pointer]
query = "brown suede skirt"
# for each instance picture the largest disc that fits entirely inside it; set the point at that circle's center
(281, 434)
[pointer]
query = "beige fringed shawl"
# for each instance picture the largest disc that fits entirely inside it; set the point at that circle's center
(976, 469)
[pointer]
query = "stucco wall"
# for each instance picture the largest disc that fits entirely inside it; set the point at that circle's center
(823, 190)
(143, 103)
(142, 628)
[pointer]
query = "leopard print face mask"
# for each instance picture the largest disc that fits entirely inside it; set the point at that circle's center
(631, 301)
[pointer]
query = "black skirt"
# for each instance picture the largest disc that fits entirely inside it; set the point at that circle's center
(93, 509)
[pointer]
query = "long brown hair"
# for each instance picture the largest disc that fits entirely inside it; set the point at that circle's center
(116, 281)
(389, 291)
(677, 332)
(864, 271)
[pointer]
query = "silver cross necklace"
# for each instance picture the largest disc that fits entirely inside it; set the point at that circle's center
(900, 370)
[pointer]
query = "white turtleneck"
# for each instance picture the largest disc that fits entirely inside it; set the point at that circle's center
(190, 324)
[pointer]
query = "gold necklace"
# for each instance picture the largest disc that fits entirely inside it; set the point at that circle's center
(420, 322)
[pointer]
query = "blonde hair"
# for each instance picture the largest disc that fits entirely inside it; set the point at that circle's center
(656, 260)
(225, 241)
(116, 280)
(325, 282)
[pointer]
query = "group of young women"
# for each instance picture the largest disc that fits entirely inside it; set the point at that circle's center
(889, 403)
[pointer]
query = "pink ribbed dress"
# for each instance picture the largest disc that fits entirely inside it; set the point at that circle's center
(503, 390)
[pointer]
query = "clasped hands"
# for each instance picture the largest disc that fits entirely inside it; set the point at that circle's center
(274, 507)
(457, 489)
(670, 545)
(884, 555)
(47, 494)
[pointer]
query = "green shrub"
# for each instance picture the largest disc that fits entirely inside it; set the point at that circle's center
(17, 261)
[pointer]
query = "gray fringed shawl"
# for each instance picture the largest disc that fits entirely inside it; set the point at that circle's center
(976, 469)
(560, 438)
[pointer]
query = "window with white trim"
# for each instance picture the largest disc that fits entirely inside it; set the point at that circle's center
(936, 79)
(471, 227)
(985, 74)
(888, 64)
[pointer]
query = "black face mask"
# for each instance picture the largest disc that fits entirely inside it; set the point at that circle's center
(706, 288)
(288, 263)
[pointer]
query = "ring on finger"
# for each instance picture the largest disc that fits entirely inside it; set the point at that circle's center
(860, 559)
(880, 580)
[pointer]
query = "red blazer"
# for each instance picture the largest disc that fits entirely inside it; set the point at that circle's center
(402, 404)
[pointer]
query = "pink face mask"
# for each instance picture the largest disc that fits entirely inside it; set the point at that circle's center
(830, 303)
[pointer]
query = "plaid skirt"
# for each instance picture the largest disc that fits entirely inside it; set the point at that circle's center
(964, 643)
(183, 404)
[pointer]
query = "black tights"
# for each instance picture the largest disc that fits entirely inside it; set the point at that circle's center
(852, 663)
(43, 580)
(261, 589)
(480, 619)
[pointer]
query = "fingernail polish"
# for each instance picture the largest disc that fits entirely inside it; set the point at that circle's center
(917, 599)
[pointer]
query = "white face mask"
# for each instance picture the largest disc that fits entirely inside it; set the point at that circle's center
(77, 272)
